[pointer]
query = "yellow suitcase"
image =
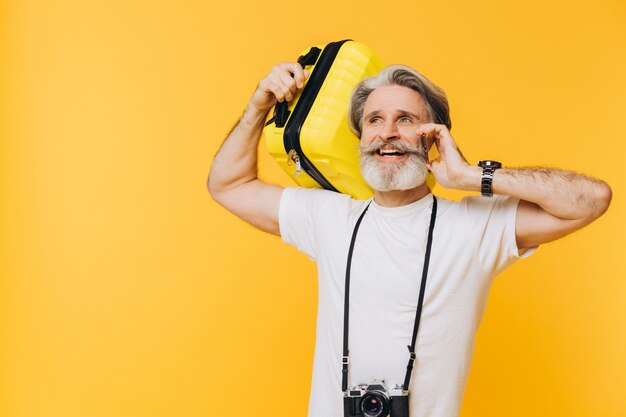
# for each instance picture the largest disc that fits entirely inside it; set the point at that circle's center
(310, 137)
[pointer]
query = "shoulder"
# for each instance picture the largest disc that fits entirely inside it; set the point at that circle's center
(475, 212)
(485, 225)
(319, 204)
(477, 205)
(318, 196)
(319, 199)
(309, 216)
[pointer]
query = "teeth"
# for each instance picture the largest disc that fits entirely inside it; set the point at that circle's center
(389, 152)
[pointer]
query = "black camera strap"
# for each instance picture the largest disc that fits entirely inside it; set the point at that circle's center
(345, 360)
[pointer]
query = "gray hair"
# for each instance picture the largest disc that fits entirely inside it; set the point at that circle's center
(435, 97)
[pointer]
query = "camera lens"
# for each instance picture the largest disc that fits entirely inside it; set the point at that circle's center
(374, 405)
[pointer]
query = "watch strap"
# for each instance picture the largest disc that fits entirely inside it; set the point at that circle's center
(486, 181)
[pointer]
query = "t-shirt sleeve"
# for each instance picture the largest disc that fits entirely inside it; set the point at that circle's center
(300, 209)
(493, 224)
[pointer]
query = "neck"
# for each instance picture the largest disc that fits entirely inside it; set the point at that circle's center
(397, 198)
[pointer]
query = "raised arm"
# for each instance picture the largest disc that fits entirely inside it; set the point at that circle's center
(233, 180)
(553, 202)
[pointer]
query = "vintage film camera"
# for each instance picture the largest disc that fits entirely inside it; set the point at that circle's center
(376, 400)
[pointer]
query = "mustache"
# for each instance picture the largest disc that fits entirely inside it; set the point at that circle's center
(374, 147)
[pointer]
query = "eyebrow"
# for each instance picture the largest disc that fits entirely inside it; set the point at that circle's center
(398, 112)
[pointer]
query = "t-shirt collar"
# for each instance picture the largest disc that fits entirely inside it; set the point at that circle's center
(423, 203)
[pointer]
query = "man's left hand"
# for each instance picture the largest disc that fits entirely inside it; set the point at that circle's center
(452, 170)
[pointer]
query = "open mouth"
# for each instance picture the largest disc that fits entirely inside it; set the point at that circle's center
(389, 152)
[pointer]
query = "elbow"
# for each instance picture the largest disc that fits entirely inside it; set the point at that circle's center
(605, 195)
(602, 198)
(209, 185)
(220, 188)
(213, 187)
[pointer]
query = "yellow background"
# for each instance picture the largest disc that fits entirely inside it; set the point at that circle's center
(126, 291)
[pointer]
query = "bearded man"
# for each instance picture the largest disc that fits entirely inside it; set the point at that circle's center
(399, 237)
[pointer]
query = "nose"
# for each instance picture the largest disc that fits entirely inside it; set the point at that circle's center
(389, 131)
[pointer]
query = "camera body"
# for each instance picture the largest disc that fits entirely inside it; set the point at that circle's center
(376, 400)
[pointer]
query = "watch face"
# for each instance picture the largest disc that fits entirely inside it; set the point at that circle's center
(490, 164)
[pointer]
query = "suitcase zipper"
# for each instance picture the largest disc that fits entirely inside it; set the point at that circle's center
(292, 156)
(291, 136)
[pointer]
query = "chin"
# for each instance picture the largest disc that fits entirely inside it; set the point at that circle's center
(391, 176)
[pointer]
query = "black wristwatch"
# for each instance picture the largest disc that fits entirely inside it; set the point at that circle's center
(489, 168)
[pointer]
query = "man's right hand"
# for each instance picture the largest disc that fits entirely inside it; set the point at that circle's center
(282, 83)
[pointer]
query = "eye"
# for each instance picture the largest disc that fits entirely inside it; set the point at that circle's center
(375, 120)
(405, 119)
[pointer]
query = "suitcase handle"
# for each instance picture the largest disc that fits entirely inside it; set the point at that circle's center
(281, 111)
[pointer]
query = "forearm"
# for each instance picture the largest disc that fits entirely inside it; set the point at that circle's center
(236, 161)
(553, 202)
(233, 180)
(563, 194)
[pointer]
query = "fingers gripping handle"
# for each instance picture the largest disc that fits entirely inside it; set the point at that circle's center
(281, 111)
(281, 114)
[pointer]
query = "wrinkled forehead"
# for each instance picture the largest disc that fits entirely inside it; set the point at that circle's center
(395, 98)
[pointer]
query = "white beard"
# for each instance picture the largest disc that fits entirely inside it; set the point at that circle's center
(397, 175)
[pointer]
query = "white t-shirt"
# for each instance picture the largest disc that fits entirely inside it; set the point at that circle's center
(473, 241)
